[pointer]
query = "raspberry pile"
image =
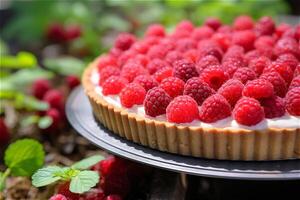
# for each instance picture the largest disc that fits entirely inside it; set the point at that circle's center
(249, 71)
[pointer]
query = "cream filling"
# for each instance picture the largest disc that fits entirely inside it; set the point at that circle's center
(286, 121)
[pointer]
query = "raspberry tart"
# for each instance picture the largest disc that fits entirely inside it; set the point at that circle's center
(213, 91)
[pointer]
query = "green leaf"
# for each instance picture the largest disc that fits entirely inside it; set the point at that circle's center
(45, 122)
(22, 60)
(84, 181)
(3, 48)
(65, 65)
(33, 119)
(46, 176)
(24, 157)
(23, 101)
(2, 181)
(88, 162)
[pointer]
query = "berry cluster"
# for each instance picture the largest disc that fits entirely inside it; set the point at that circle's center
(249, 71)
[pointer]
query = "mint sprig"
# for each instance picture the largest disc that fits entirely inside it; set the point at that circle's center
(81, 179)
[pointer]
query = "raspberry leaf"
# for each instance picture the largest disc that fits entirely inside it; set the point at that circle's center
(46, 176)
(84, 181)
(24, 157)
(88, 162)
(45, 122)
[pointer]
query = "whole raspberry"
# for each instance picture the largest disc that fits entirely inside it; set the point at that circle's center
(111, 165)
(156, 102)
(209, 47)
(223, 40)
(295, 82)
(258, 88)
(243, 22)
(191, 55)
(185, 44)
(288, 59)
(72, 32)
(94, 194)
(231, 90)
(173, 56)
(56, 32)
(244, 38)
(287, 45)
(113, 85)
(140, 47)
(234, 51)
(108, 72)
(163, 73)
(156, 64)
(124, 41)
(55, 115)
(252, 55)
(282, 28)
(40, 87)
(230, 65)
(140, 59)
(211, 107)
(284, 70)
(4, 133)
(214, 76)
(206, 62)
(273, 107)
(197, 89)
(58, 197)
(173, 86)
(132, 94)
(185, 25)
(63, 189)
(264, 41)
(293, 101)
(277, 81)
(224, 29)
(203, 32)
(125, 57)
(258, 64)
(265, 26)
(213, 22)
(248, 111)
(182, 109)
(157, 51)
(156, 30)
(184, 70)
(113, 197)
(106, 61)
(115, 52)
(72, 81)
(168, 43)
(54, 98)
(131, 70)
(244, 74)
(146, 81)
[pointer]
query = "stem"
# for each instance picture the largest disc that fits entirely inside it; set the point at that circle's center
(3, 178)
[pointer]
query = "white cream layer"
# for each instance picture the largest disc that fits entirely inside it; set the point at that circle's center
(286, 121)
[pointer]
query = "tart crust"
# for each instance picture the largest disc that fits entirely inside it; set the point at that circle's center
(212, 143)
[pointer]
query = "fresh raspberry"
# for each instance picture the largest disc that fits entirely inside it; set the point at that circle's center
(191, 55)
(156, 30)
(58, 197)
(293, 101)
(277, 81)
(132, 94)
(132, 70)
(265, 26)
(163, 73)
(168, 43)
(248, 111)
(173, 56)
(295, 82)
(205, 62)
(263, 41)
(72, 81)
(113, 85)
(258, 64)
(108, 72)
(125, 57)
(156, 102)
(63, 189)
(211, 107)
(284, 70)
(124, 41)
(113, 197)
(288, 59)
(224, 29)
(56, 32)
(214, 76)
(72, 32)
(282, 28)
(243, 22)
(156, 64)
(266, 51)
(140, 47)
(182, 109)
(273, 107)
(115, 184)
(173, 86)
(94, 194)
(146, 81)
(297, 70)
(184, 70)
(209, 47)
(258, 88)
(244, 74)
(111, 165)
(203, 32)
(150, 41)
(185, 25)
(185, 44)
(54, 98)
(140, 59)
(213, 22)
(244, 38)
(252, 55)
(4, 133)
(231, 90)
(197, 89)
(55, 115)
(40, 87)
(234, 51)
(106, 61)
(286, 45)
(157, 51)
(115, 52)
(223, 40)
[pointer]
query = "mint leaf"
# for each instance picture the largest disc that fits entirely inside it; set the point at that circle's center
(24, 157)
(88, 162)
(29, 120)
(22, 60)
(30, 103)
(45, 122)
(46, 176)
(84, 181)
